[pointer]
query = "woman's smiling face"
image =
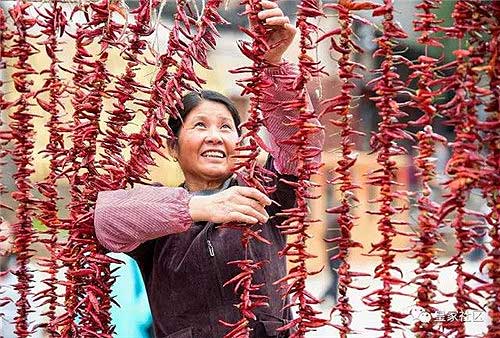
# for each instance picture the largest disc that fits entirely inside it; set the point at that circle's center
(206, 145)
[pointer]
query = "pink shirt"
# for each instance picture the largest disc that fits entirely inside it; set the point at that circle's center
(124, 219)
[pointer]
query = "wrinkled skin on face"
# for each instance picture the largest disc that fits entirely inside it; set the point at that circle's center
(206, 146)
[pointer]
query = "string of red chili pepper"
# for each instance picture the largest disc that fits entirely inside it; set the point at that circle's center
(340, 105)
(249, 170)
(298, 219)
(183, 48)
(126, 88)
(384, 142)
(22, 155)
(5, 134)
(484, 44)
(148, 141)
(491, 140)
(425, 242)
(53, 22)
(466, 166)
(5, 137)
(424, 248)
(89, 277)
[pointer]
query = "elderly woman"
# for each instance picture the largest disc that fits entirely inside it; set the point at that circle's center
(172, 233)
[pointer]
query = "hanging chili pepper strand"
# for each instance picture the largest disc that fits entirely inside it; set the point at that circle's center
(466, 166)
(5, 134)
(126, 88)
(53, 22)
(491, 139)
(249, 170)
(424, 248)
(425, 243)
(196, 50)
(340, 105)
(489, 129)
(385, 143)
(298, 219)
(89, 277)
(22, 155)
(5, 138)
(148, 141)
(183, 48)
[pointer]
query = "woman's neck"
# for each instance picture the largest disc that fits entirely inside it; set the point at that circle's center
(196, 185)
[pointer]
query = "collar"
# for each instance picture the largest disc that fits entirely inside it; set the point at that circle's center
(224, 186)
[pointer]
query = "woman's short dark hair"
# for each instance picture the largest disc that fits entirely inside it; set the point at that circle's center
(193, 99)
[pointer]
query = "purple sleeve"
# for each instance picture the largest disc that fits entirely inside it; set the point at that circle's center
(278, 112)
(124, 219)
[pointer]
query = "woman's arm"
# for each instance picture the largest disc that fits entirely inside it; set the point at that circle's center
(277, 117)
(124, 219)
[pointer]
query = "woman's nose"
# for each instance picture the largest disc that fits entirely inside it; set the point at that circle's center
(214, 136)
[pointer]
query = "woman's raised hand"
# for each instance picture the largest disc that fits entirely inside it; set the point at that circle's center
(235, 204)
(282, 33)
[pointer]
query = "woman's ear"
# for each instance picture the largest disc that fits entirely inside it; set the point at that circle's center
(173, 149)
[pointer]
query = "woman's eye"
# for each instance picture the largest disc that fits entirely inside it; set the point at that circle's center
(226, 126)
(199, 124)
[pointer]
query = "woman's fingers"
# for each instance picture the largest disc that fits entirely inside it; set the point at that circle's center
(254, 194)
(255, 205)
(268, 4)
(270, 13)
(239, 217)
(277, 21)
(251, 212)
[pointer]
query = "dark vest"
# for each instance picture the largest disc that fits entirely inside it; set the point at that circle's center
(184, 276)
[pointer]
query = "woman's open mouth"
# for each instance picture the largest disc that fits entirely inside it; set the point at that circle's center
(213, 154)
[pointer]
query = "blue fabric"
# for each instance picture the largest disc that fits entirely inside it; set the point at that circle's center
(133, 318)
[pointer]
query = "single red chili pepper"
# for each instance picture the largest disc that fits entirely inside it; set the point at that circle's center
(342, 175)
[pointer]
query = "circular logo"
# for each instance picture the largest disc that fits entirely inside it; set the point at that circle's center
(420, 314)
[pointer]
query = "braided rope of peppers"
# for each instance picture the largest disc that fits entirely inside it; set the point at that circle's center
(249, 170)
(491, 139)
(425, 242)
(340, 105)
(465, 167)
(384, 143)
(125, 89)
(53, 22)
(89, 277)
(298, 220)
(22, 155)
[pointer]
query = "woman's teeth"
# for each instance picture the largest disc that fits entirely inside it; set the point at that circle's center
(216, 154)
